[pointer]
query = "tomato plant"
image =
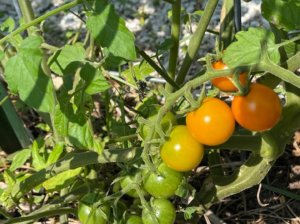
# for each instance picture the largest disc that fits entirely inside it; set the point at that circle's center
(181, 151)
(89, 214)
(165, 184)
(164, 212)
(133, 219)
(150, 113)
(212, 123)
(259, 110)
(223, 83)
(127, 180)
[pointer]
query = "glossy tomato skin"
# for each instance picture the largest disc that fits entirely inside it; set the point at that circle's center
(133, 193)
(87, 214)
(259, 110)
(164, 211)
(133, 219)
(165, 184)
(181, 151)
(223, 83)
(212, 123)
(150, 114)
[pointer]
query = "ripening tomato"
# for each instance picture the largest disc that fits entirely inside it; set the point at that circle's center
(164, 212)
(150, 113)
(212, 123)
(165, 184)
(181, 151)
(90, 215)
(259, 110)
(128, 180)
(223, 83)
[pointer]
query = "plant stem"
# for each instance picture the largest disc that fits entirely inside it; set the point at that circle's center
(5, 214)
(170, 1)
(107, 113)
(196, 40)
(38, 216)
(3, 100)
(63, 218)
(288, 41)
(175, 36)
(121, 104)
(41, 18)
(49, 47)
(123, 138)
(226, 24)
(157, 68)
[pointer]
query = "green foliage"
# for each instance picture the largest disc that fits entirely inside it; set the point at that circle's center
(109, 30)
(56, 152)
(139, 71)
(8, 25)
(2, 55)
(19, 159)
(67, 60)
(38, 161)
(25, 76)
(283, 14)
(247, 49)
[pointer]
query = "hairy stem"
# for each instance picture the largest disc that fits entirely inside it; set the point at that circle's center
(175, 35)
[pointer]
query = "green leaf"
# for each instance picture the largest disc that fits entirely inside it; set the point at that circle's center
(8, 25)
(291, 49)
(95, 82)
(63, 113)
(184, 190)
(56, 152)
(166, 45)
(37, 160)
(62, 180)
(109, 29)
(43, 126)
(117, 127)
(188, 212)
(9, 178)
(283, 14)
(247, 49)
(140, 71)
(2, 55)
(113, 60)
(81, 134)
(25, 76)
(20, 159)
(67, 60)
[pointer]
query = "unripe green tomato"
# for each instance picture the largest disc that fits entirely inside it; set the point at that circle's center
(133, 219)
(127, 180)
(87, 214)
(150, 114)
(165, 184)
(164, 212)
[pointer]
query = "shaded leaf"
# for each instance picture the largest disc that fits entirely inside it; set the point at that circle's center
(61, 180)
(113, 60)
(9, 178)
(166, 45)
(118, 128)
(184, 190)
(37, 160)
(8, 25)
(247, 49)
(20, 159)
(283, 14)
(56, 152)
(110, 31)
(2, 55)
(188, 212)
(95, 82)
(140, 71)
(67, 60)
(25, 76)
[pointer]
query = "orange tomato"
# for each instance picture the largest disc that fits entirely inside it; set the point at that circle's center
(212, 123)
(181, 151)
(259, 110)
(223, 83)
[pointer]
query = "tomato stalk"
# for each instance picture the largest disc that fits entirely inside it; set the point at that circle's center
(175, 36)
(226, 22)
(196, 40)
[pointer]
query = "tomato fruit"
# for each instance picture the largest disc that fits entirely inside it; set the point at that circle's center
(259, 110)
(164, 212)
(128, 180)
(181, 151)
(212, 123)
(133, 219)
(165, 184)
(150, 113)
(223, 83)
(89, 215)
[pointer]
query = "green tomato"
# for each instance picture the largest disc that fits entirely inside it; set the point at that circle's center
(127, 181)
(133, 219)
(165, 184)
(150, 113)
(164, 212)
(89, 215)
